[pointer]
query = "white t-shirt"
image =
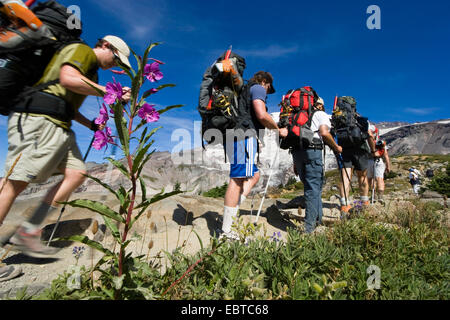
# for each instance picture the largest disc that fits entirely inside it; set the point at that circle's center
(319, 118)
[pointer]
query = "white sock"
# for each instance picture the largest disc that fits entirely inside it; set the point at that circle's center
(228, 215)
(29, 227)
(344, 202)
(364, 198)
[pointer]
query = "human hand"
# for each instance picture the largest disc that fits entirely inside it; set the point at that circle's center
(283, 132)
(126, 94)
(338, 150)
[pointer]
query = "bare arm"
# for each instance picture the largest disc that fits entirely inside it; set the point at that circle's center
(261, 114)
(388, 162)
(328, 139)
(72, 79)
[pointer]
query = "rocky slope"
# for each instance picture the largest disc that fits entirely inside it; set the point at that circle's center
(196, 171)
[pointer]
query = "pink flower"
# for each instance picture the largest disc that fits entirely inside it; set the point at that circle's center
(113, 92)
(102, 138)
(103, 116)
(152, 73)
(148, 113)
(117, 71)
(151, 91)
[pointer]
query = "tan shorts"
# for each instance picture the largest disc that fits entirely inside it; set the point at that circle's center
(46, 149)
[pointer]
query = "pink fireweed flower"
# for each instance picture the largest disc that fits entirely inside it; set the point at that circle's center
(151, 91)
(103, 116)
(160, 62)
(102, 138)
(113, 92)
(148, 113)
(152, 73)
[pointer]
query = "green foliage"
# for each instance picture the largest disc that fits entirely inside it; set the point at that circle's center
(217, 192)
(441, 182)
(410, 248)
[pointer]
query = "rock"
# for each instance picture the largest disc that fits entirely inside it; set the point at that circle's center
(428, 194)
(200, 223)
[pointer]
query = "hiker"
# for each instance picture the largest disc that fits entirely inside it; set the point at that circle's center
(414, 179)
(46, 144)
(352, 134)
(308, 164)
(376, 165)
(244, 173)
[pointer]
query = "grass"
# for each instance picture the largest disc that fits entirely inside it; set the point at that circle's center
(409, 246)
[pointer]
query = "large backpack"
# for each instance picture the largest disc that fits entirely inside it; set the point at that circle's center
(24, 53)
(349, 127)
(220, 90)
(296, 112)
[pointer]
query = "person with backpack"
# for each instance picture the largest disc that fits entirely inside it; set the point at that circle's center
(241, 150)
(376, 166)
(308, 163)
(352, 133)
(414, 179)
(45, 144)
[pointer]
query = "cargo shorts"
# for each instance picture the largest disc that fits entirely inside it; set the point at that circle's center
(46, 149)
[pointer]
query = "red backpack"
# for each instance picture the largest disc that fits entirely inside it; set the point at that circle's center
(295, 114)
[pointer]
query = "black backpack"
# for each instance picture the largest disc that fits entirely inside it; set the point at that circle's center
(23, 65)
(349, 127)
(220, 101)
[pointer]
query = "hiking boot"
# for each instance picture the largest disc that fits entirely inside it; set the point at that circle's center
(30, 244)
(9, 272)
(345, 212)
(366, 204)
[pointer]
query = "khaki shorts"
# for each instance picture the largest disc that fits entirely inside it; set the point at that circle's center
(379, 167)
(46, 148)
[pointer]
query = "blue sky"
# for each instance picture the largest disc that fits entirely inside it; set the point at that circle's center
(398, 73)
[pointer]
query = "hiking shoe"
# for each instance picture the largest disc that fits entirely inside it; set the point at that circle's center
(9, 272)
(228, 235)
(30, 244)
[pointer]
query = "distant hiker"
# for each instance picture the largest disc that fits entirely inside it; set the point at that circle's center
(46, 143)
(351, 131)
(244, 173)
(376, 166)
(414, 179)
(308, 163)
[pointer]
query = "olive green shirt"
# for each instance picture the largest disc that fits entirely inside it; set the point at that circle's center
(79, 56)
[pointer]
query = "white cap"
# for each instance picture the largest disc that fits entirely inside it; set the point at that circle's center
(320, 100)
(123, 50)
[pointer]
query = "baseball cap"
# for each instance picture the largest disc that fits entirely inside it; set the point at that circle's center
(123, 50)
(320, 101)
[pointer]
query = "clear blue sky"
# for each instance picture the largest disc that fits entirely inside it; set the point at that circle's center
(398, 73)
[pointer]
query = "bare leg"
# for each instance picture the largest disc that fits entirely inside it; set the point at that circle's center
(10, 192)
(234, 190)
(250, 183)
(363, 184)
(62, 191)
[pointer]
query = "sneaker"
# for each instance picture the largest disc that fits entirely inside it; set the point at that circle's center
(9, 272)
(30, 244)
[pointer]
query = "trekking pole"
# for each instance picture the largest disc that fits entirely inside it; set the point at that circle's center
(64, 206)
(268, 181)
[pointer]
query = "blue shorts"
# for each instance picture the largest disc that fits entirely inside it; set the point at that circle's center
(242, 158)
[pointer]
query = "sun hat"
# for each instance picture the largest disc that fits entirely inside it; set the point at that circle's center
(123, 50)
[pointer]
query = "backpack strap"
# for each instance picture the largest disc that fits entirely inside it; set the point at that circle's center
(34, 100)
